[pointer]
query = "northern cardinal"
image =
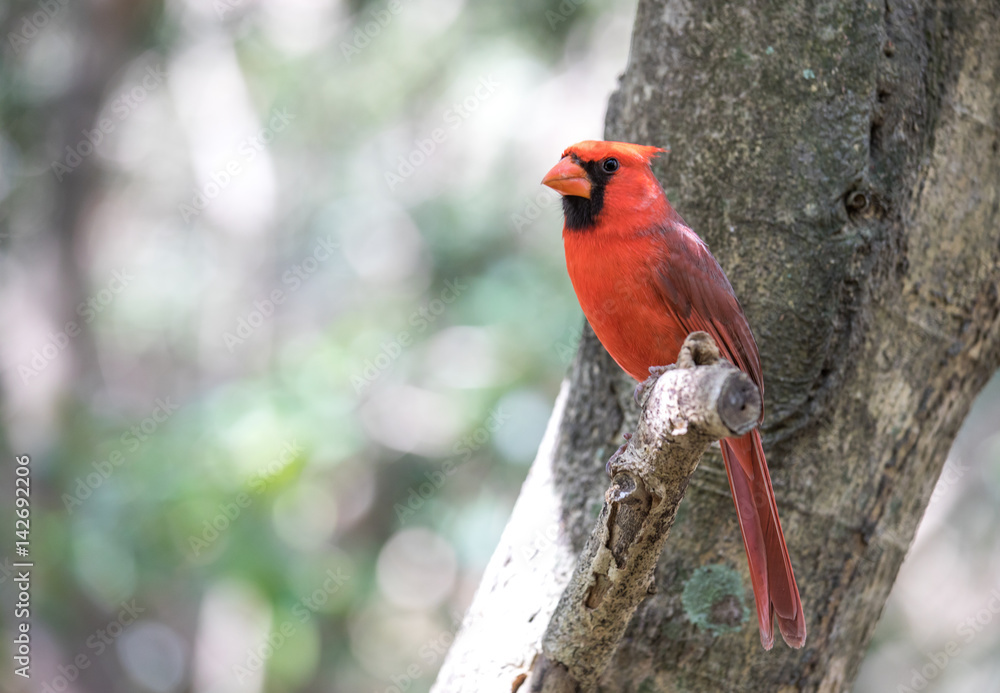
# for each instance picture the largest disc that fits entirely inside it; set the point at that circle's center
(645, 281)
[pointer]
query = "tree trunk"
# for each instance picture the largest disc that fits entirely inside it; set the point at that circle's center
(843, 162)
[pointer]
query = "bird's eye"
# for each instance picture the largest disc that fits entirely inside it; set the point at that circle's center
(610, 165)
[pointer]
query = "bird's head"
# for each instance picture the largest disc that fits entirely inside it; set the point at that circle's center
(606, 184)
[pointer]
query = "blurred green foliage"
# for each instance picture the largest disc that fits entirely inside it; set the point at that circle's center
(291, 437)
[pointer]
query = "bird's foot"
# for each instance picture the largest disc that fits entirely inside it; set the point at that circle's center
(609, 467)
(654, 374)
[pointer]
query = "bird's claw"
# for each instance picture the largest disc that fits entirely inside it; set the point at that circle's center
(618, 453)
(654, 374)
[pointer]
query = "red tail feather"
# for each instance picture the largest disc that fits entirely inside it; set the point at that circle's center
(774, 588)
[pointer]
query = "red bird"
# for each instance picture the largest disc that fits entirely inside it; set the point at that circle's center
(645, 281)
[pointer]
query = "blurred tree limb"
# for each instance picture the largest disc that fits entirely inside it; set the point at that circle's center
(841, 159)
(47, 124)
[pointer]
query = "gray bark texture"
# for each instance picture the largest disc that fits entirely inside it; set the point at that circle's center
(842, 160)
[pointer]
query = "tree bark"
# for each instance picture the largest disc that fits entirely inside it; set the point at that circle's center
(843, 162)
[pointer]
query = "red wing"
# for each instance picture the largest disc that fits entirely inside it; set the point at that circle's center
(698, 295)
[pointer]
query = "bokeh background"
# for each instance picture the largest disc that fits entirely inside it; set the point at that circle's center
(284, 312)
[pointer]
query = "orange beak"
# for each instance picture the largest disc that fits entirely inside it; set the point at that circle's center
(568, 178)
